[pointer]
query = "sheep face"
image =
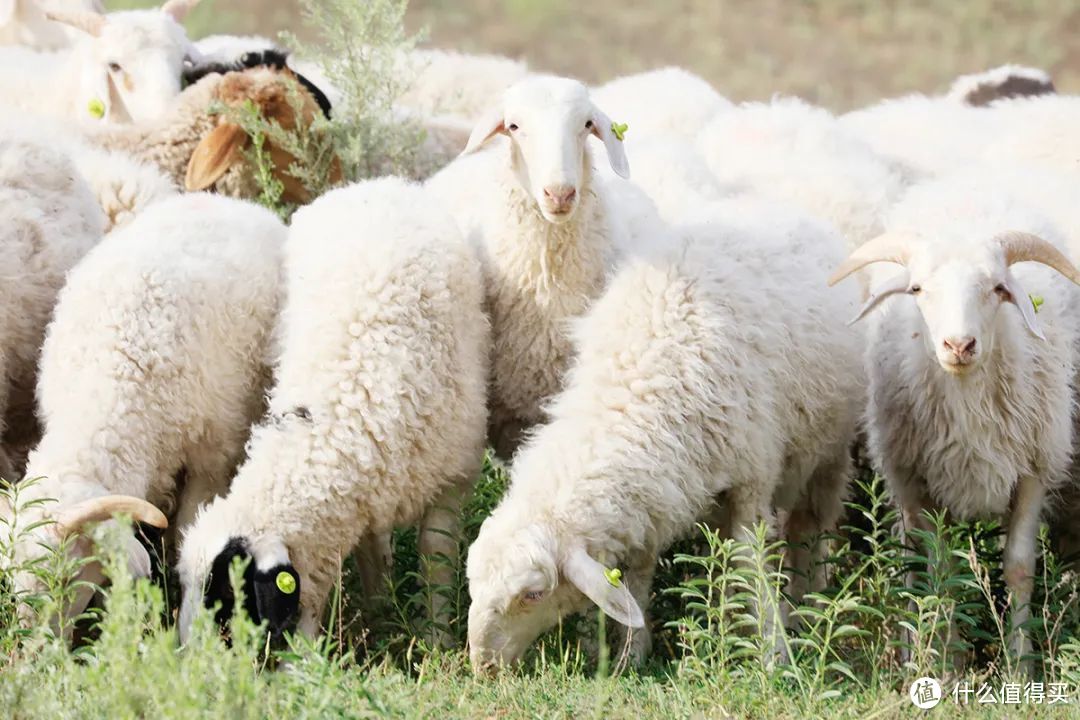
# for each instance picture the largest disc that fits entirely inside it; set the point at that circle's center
(548, 121)
(522, 582)
(959, 285)
(130, 63)
(270, 583)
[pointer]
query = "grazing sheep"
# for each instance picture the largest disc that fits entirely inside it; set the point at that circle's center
(1000, 83)
(972, 394)
(23, 22)
(715, 362)
(126, 68)
(547, 231)
(664, 103)
(799, 154)
(154, 368)
(378, 409)
(50, 221)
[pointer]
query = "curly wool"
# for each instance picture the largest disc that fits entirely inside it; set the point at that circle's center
(157, 357)
(51, 221)
(379, 399)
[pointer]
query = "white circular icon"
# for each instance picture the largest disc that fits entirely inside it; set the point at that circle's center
(925, 693)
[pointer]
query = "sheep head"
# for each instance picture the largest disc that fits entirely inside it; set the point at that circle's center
(548, 120)
(129, 62)
(959, 287)
(271, 584)
(523, 578)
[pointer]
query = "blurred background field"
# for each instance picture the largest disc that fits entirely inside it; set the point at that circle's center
(839, 53)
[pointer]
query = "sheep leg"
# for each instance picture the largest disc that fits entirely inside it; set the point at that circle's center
(745, 513)
(817, 512)
(439, 543)
(374, 557)
(914, 502)
(1019, 557)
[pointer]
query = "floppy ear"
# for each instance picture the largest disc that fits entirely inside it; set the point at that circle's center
(95, 92)
(1020, 299)
(214, 155)
(276, 587)
(616, 153)
(587, 575)
(894, 285)
(218, 590)
(7, 11)
(489, 125)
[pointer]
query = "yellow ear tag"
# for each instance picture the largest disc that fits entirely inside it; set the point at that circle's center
(1036, 301)
(620, 130)
(285, 582)
(96, 108)
(614, 576)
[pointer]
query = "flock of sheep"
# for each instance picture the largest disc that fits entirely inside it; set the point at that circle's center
(644, 354)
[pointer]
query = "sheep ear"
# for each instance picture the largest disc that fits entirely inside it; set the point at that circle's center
(616, 152)
(213, 156)
(1020, 299)
(587, 575)
(7, 11)
(894, 285)
(178, 9)
(276, 587)
(489, 125)
(95, 100)
(218, 590)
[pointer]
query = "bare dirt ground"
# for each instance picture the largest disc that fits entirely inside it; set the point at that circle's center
(840, 53)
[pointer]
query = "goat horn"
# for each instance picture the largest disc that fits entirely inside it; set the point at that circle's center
(97, 509)
(1026, 247)
(179, 9)
(89, 22)
(889, 247)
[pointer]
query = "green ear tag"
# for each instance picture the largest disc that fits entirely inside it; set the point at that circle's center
(96, 108)
(614, 576)
(620, 130)
(286, 583)
(1036, 301)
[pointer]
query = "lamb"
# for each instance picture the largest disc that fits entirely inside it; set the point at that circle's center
(23, 22)
(125, 68)
(797, 153)
(663, 103)
(547, 232)
(378, 407)
(715, 362)
(152, 371)
(50, 221)
(972, 394)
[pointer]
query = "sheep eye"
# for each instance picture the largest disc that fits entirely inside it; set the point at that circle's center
(532, 595)
(114, 67)
(513, 127)
(1003, 291)
(915, 289)
(588, 124)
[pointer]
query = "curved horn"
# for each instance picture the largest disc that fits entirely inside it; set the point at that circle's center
(179, 9)
(1026, 247)
(890, 247)
(894, 285)
(89, 22)
(72, 519)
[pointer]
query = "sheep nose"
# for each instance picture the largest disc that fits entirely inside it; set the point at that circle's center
(560, 196)
(962, 348)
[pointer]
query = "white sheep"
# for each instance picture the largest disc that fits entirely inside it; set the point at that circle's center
(154, 368)
(663, 103)
(547, 231)
(378, 407)
(972, 386)
(23, 22)
(445, 82)
(126, 67)
(715, 362)
(796, 153)
(50, 221)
